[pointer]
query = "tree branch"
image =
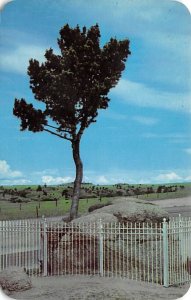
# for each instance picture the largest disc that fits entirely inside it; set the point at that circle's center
(64, 130)
(59, 135)
(80, 132)
(84, 125)
(51, 126)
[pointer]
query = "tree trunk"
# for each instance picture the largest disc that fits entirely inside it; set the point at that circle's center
(78, 179)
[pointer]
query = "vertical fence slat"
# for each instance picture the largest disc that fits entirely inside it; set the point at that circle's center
(165, 254)
(45, 244)
(101, 248)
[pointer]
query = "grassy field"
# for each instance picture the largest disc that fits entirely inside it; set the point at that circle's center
(171, 195)
(20, 202)
(15, 211)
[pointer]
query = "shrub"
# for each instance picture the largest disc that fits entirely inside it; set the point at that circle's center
(18, 200)
(39, 189)
(22, 193)
(97, 206)
(46, 199)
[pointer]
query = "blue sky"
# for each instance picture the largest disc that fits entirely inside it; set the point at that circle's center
(144, 136)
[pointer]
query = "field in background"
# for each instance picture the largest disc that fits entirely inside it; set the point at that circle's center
(20, 202)
(13, 211)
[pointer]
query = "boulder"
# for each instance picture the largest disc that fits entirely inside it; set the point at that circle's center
(77, 253)
(77, 249)
(134, 210)
(95, 217)
(14, 279)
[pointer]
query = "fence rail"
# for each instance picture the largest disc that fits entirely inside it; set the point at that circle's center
(158, 253)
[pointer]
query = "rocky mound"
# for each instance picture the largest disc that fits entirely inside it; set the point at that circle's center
(14, 279)
(125, 210)
(133, 210)
(96, 216)
(80, 243)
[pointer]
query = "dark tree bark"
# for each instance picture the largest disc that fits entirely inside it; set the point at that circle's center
(78, 179)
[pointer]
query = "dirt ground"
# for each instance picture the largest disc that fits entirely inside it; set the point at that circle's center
(91, 287)
(185, 201)
(176, 206)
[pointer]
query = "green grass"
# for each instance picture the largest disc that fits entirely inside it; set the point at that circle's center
(9, 211)
(12, 211)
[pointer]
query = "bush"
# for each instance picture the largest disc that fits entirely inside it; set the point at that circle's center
(98, 205)
(46, 199)
(39, 189)
(18, 200)
(22, 193)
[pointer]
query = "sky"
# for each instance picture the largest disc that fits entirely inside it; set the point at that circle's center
(144, 136)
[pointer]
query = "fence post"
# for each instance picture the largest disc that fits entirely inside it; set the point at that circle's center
(45, 254)
(165, 253)
(101, 248)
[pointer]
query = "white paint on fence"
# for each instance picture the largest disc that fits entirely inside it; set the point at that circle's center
(158, 253)
(19, 243)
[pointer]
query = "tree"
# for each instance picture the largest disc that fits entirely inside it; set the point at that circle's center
(39, 188)
(73, 85)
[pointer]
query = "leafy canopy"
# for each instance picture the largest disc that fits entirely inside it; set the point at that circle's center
(74, 84)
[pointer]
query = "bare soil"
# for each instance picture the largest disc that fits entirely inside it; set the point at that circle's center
(175, 206)
(94, 287)
(185, 201)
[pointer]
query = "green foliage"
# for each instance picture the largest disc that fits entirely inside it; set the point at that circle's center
(74, 84)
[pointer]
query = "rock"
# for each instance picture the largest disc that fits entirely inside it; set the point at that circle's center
(77, 253)
(79, 245)
(133, 210)
(77, 249)
(14, 279)
(95, 217)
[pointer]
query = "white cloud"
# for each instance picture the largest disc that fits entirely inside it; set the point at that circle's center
(168, 177)
(138, 176)
(102, 180)
(114, 115)
(16, 182)
(6, 171)
(188, 178)
(13, 177)
(56, 180)
(145, 120)
(18, 59)
(45, 172)
(171, 137)
(141, 95)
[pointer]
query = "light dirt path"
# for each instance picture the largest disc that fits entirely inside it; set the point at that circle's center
(186, 201)
(175, 206)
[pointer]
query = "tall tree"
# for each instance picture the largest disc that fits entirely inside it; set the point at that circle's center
(73, 86)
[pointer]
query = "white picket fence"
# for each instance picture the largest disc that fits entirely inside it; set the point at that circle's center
(157, 253)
